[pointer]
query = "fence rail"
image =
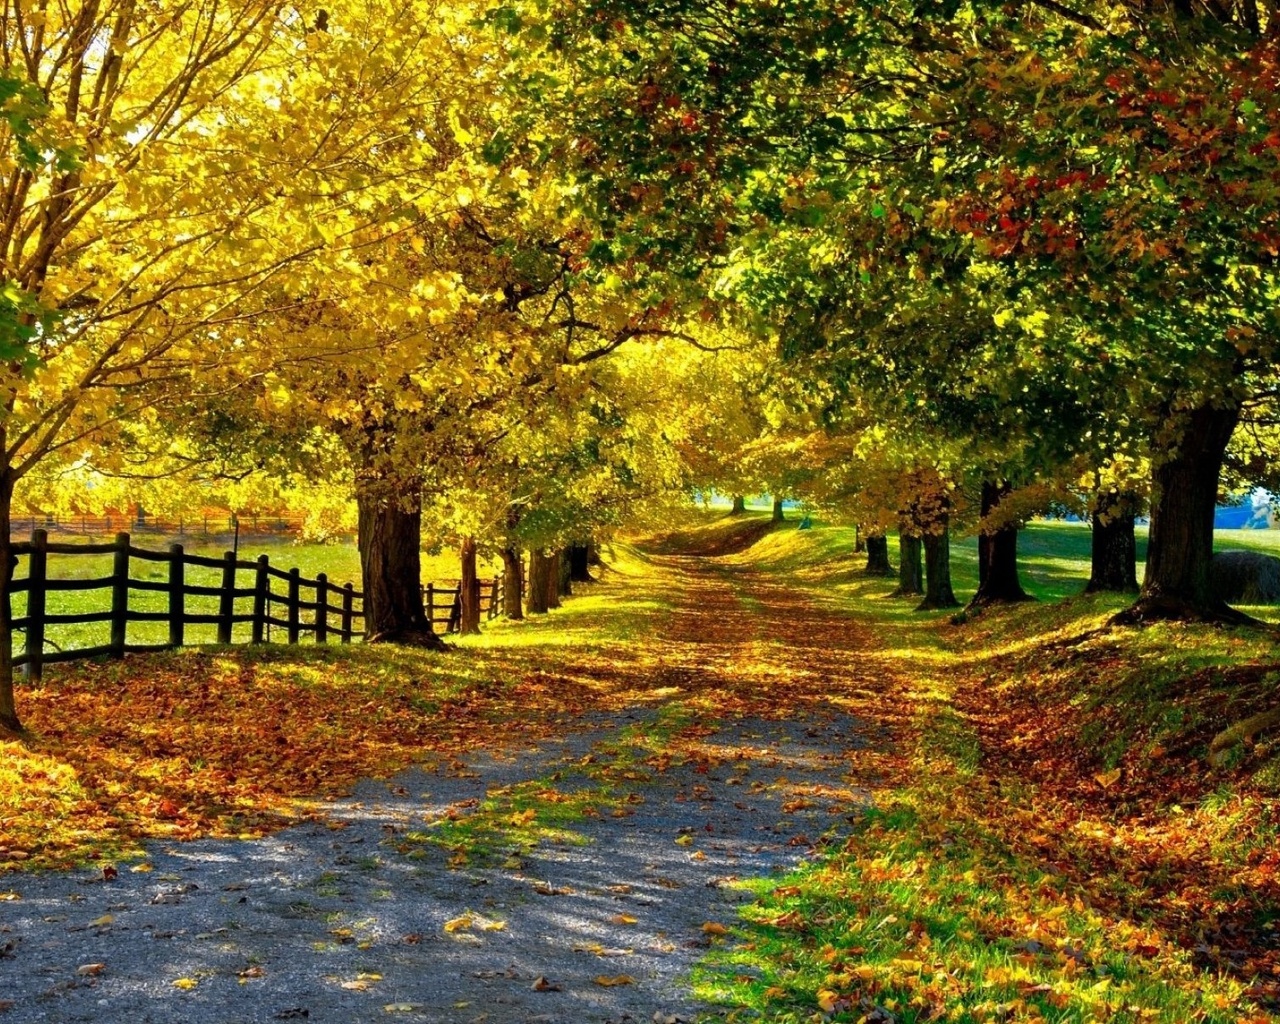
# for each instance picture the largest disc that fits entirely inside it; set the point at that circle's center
(199, 524)
(315, 607)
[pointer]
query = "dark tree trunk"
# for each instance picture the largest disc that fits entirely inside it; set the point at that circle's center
(580, 564)
(469, 590)
(1114, 550)
(739, 505)
(8, 704)
(1180, 545)
(539, 577)
(878, 556)
(566, 572)
(553, 580)
(512, 584)
(389, 537)
(937, 569)
(997, 555)
(910, 566)
(778, 516)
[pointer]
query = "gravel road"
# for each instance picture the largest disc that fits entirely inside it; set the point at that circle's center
(330, 922)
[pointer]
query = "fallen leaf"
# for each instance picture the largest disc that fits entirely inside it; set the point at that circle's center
(714, 928)
(142, 868)
(256, 971)
(624, 919)
(612, 980)
(458, 924)
(102, 921)
(684, 841)
(110, 873)
(541, 984)
(1108, 779)
(400, 1007)
(90, 970)
(186, 984)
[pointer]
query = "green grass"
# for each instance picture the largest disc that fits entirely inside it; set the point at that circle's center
(977, 890)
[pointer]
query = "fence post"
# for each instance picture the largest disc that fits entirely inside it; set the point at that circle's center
(177, 595)
(261, 584)
(322, 608)
(37, 573)
(454, 625)
(348, 611)
(493, 597)
(295, 584)
(431, 606)
(120, 596)
(227, 599)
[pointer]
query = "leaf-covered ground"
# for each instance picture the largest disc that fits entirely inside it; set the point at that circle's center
(1046, 839)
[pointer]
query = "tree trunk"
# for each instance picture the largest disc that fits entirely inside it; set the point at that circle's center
(553, 580)
(512, 584)
(8, 704)
(739, 505)
(937, 569)
(878, 556)
(593, 553)
(469, 590)
(997, 555)
(539, 575)
(566, 572)
(580, 564)
(389, 538)
(1180, 545)
(778, 516)
(910, 566)
(1115, 551)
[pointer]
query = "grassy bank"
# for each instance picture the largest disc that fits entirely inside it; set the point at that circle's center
(1067, 844)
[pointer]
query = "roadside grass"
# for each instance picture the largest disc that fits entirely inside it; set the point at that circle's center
(1063, 848)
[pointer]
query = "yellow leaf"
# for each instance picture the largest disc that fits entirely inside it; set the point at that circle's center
(459, 924)
(186, 984)
(611, 980)
(102, 921)
(400, 1007)
(684, 841)
(624, 919)
(142, 868)
(1108, 779)
(827, 1000)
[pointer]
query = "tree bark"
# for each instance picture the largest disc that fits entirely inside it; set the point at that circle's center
(878, 556)
(937, 569)
(469, 589)
(8, 702)
(998, 581)
(739, 505)
(389, 539)
(778, 516)
(1180, 544)
(580, 564)
(1114, 564)
(910, 566)
(512, 584)
(539, 575)
(565, 577)
(553, 580)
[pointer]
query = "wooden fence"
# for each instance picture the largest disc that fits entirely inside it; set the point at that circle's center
(198, 524)
(330, 612)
